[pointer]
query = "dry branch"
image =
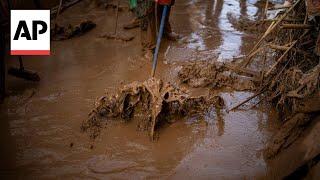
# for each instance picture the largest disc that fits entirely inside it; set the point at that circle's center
(281, 57)
(284, 48)
(273, 26)
(248, 99)
(296, 26)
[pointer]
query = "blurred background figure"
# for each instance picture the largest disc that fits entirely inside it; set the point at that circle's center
(148, 16)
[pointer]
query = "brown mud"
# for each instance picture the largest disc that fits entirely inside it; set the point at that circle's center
(247, 25)
(291, 130)
(118, 36)
(40, 134)
(159, 103)
(214, 75)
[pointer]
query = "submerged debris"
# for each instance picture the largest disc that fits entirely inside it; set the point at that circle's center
(214, 74)
(62, 33)
(247, 25)
(159, 103)
(118, 36)
(109, 4)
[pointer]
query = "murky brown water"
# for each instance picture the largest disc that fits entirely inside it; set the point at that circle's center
(40, 122)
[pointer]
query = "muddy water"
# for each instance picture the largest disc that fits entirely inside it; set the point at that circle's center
(40, 122)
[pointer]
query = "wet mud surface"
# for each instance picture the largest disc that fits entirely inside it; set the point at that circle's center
(40, 122)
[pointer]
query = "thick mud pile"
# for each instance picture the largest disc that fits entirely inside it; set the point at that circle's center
(66, 32)
(159, 103)
(215, 75)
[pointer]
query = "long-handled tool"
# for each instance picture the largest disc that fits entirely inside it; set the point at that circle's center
(155, 55)
(55, 25)
(23, 73)
(115, 35)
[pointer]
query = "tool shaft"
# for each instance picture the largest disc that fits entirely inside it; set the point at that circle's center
(162, 23)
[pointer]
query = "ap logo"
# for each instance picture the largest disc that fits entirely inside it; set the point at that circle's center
(30, 32)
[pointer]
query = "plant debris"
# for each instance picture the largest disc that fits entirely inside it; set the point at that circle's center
(291, 79)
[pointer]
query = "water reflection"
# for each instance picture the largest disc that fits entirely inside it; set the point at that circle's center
(212, 35)
(231, 38)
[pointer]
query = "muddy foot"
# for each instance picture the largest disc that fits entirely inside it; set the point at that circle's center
(133, 24)
(173, 36)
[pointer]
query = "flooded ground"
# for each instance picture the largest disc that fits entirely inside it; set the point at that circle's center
(40, 122)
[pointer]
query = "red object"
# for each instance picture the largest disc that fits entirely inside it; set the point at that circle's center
(30, 52)
(164, 2)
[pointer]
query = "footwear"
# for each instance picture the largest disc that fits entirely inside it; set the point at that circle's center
(133, 24)
(172, 36)
(148, 55)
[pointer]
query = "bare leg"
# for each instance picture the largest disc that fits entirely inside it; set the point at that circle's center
(151, 30)
(134, 23)
(168, 33)
(148, 33)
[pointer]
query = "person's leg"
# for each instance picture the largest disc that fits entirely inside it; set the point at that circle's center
(146, 12)
(151, 31)
(150, 34)
(134, 23)
(167, 27)
(168, 33)
(143, 33)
